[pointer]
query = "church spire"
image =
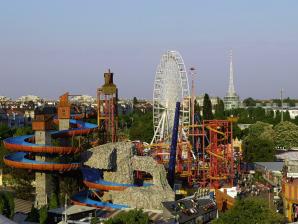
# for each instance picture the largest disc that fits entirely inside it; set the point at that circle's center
(231, 100)
(231, 90)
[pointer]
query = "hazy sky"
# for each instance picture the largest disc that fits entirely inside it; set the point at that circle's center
(49, 47)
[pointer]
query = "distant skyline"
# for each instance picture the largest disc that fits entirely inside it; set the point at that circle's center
(51, 47)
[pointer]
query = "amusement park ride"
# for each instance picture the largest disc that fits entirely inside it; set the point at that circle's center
(204, 149)
(107, 116)
(199, 153)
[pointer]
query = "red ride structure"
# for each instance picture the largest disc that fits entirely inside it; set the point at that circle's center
(107, 97)
(220, 158)
(207, 161)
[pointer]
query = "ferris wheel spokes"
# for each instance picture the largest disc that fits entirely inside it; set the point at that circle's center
(170, 86)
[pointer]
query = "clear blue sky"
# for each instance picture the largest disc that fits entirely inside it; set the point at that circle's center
(49, 47)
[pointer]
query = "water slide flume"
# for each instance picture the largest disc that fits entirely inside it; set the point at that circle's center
(23, 157)
(85, 198)
(93, 180)
(24, 145)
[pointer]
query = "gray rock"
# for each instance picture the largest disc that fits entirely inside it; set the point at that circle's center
(119, 162)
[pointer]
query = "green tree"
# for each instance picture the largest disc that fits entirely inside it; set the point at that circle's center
(258, 145)
(258, 150)
(256, 114)
(269, 117)
(7, 204)
(237, 133)
(142, 126)
(287, 116)
(289, 101)
(241, 113)
(286, 135)
(249, 102)
(250, 211)
(277, 101)
(277, 117)
(5, 132)
(27, 130)
(33, 215)
(219, 109)
(9, 198)
(95, 220)
(197, 111)
(43, 214)
(3, 152)
(68, 185)
(295, 120)
(207, 108)
(261, 130)
(132, 216)
(53, 201)
(135, 101)
(2, 205)
(22, 183)
(197, 107)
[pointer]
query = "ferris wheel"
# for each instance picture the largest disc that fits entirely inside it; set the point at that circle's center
(170, 86)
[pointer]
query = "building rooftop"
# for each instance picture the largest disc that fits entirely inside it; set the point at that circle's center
(288, 155)
(188, 209)
(272, 166)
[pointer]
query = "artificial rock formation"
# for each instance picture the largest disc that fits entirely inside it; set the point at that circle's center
(118, 162)
(146, 197)
(113, 158)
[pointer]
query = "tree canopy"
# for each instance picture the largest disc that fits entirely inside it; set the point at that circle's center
(22, 183)
(261, 130)
(258, 150)
(43, 214)
(27, 130)
(249, 102)
(286, 135)
(219, 109)
(258, 145)
(250, 211)
(207, 108)
(7, 205)
(54, 201)
(141, 126)
(132, 216)
(33, 215)
(5, 132)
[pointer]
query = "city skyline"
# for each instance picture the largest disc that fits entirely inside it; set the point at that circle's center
(52, 47)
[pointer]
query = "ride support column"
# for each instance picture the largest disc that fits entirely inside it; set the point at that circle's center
(43, 181)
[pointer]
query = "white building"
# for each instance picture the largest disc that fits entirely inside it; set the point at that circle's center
(4, 99)
(28, 98)
(84, 99)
